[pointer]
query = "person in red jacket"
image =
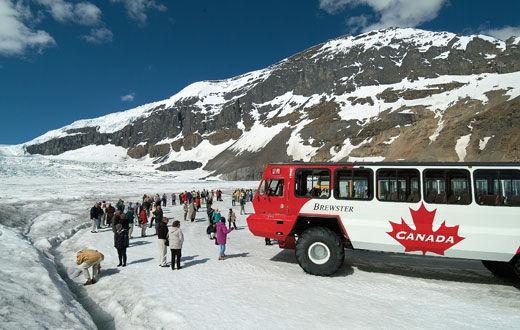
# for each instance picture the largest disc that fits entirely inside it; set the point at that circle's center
(143, 220)
(197, 202)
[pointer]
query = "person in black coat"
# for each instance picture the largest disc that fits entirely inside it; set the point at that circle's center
(95, 217)
(121, 243)
(158, 215)
(162, 237)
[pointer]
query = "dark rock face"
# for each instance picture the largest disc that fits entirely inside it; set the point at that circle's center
(310, 84)
(180, 166)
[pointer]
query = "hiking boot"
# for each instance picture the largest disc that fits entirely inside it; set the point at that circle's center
(94, 281)
(88, 282)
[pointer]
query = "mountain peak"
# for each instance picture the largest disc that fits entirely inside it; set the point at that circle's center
(395, 37)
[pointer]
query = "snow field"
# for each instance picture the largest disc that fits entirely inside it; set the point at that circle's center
(32, 295)
(262, 286)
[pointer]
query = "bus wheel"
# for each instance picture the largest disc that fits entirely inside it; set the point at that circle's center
(499, 268)
(516, 266)
(319, 251)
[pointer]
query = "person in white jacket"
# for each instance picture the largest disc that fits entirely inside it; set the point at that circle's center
(192, 212)
(175, 240)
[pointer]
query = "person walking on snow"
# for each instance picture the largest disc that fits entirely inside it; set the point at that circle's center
(242, 205)
(120, 206)
(173, 198)
(222, 232)
(176, 238)
(192, 212)
(121, 243)
(216, 216)
(185, 210)
(130, 216)
(232, 219)
(110, 211)
(95, 217)
(163, 199)
(86, 259)
(162, 234)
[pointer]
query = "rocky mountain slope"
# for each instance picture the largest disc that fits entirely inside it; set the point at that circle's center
(393, 94)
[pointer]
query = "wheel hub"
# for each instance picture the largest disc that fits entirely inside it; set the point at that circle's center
(319, 253)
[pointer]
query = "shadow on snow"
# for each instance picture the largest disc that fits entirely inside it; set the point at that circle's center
(424, 267)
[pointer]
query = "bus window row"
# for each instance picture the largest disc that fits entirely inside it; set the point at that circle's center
(441, 186)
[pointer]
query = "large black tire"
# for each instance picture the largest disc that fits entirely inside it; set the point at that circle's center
(501, 269)
(516, 267)
(312, 254)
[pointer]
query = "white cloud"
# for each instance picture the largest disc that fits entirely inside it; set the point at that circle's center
(15, 35)
(387, 13)
(137, 9)
(128, 98)
(87, 13)
(84, 13)
(503, 33)
(98, 36)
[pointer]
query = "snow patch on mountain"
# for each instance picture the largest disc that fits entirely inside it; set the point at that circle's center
(421, 39)
(345, 150)
(482, 143)
(474, 87)
(212, 95)
(461, 146)
(108, 153)
(110, 123)
(296, 147)
(256, 138)
(201, 153)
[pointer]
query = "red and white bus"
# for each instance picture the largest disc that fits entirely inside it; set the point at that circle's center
(458, 210)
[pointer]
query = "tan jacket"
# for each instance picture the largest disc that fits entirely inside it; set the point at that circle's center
(90, 256)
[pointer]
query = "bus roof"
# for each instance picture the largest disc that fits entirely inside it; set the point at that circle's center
(467, 164)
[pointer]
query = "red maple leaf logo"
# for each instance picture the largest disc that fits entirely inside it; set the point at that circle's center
(423, 238)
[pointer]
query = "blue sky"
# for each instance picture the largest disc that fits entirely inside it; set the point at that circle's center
(64, 60)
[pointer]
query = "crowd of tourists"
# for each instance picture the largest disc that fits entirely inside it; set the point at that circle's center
(122, 217)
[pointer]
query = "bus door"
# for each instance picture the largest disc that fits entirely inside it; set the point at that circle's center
(272, 197)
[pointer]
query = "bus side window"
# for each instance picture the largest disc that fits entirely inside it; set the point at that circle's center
(398, 185)
(312, 183)
(447, 186)
(497, 187)
(353, 184)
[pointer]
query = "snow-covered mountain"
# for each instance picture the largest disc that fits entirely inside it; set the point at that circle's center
(393, 94)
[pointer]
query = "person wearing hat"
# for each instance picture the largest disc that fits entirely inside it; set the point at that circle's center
(88, 258)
